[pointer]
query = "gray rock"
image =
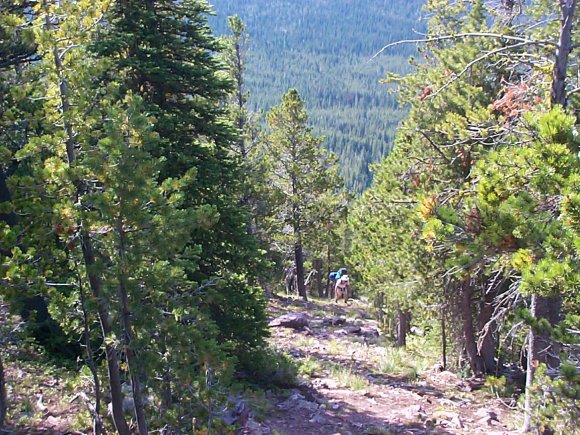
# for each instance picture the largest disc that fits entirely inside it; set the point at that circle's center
(369, 332)
(290, 320)
(297, 401)
(319, 419)
(334, 320)
(353, 329)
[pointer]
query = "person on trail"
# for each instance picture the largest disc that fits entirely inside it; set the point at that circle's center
(335, 276)
(342, 286)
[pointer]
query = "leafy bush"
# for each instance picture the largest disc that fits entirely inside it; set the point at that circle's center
(498, 386)
(555, 401)
(269, 368)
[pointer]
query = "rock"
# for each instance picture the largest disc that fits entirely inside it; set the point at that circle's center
(369, 332)
(488, 417)
(252, 427)
(325, 383)
(297, 401)
(417, 331)
(447, 377)
(52, 421)
(353, 329)
(414, 412)
(334, 321)
(290, 320)
(319, 419)
(240, 414)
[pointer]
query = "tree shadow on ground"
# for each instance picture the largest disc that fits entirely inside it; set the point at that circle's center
(339, 416)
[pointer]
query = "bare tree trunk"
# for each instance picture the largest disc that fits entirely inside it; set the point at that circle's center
(475, 361)
(107, 331)
(559, 74)
(127, 332)
(541, 348)
(166, 393)
(3, 397)
(443, 340)
(530, 369)
(379, 304)
(96, 412)
(318, 268)
(299, 259)
(402, 327)
(488, 345)
(327, 288)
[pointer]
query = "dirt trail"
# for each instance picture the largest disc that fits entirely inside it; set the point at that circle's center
(348, 388)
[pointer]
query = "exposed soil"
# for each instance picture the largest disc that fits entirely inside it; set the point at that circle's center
(368, 400)
(348, 385)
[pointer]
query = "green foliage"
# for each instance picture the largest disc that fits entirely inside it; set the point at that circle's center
(127, 194)
(303, 195)
(269, 368)
(347, 378)
(498, 386)
(474, 196)
(324, 52)
(555, 401)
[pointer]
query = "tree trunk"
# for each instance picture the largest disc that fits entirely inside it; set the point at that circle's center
(299, 259)
(402, 326)
(107, 331)
(530, 369)
(379, 304)
(166, 390)
(541, 348)
(3, 397)
(318, 268)
(469, 343)
(134, 370)
(559, 73)
(96, 412)
(328, 280)
(488, 347)
(443, 339)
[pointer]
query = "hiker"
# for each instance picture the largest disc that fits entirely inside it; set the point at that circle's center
(335, 276)
(342, 288)
(340, 280)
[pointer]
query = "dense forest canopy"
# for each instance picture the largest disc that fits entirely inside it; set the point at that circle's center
(323, 48)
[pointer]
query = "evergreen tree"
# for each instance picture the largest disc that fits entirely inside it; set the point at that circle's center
(303, 177)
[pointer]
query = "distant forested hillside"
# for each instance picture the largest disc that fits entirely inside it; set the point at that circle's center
(323, 47)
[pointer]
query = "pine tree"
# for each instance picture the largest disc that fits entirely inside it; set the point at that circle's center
(302, 175)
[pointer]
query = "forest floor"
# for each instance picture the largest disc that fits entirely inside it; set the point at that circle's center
(352, 381)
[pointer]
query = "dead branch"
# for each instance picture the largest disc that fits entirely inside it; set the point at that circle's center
(499, 36)
(475, 61)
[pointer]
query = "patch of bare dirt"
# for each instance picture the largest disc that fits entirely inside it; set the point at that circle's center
(347, 391)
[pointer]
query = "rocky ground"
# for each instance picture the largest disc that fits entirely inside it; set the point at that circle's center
(353, 382)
